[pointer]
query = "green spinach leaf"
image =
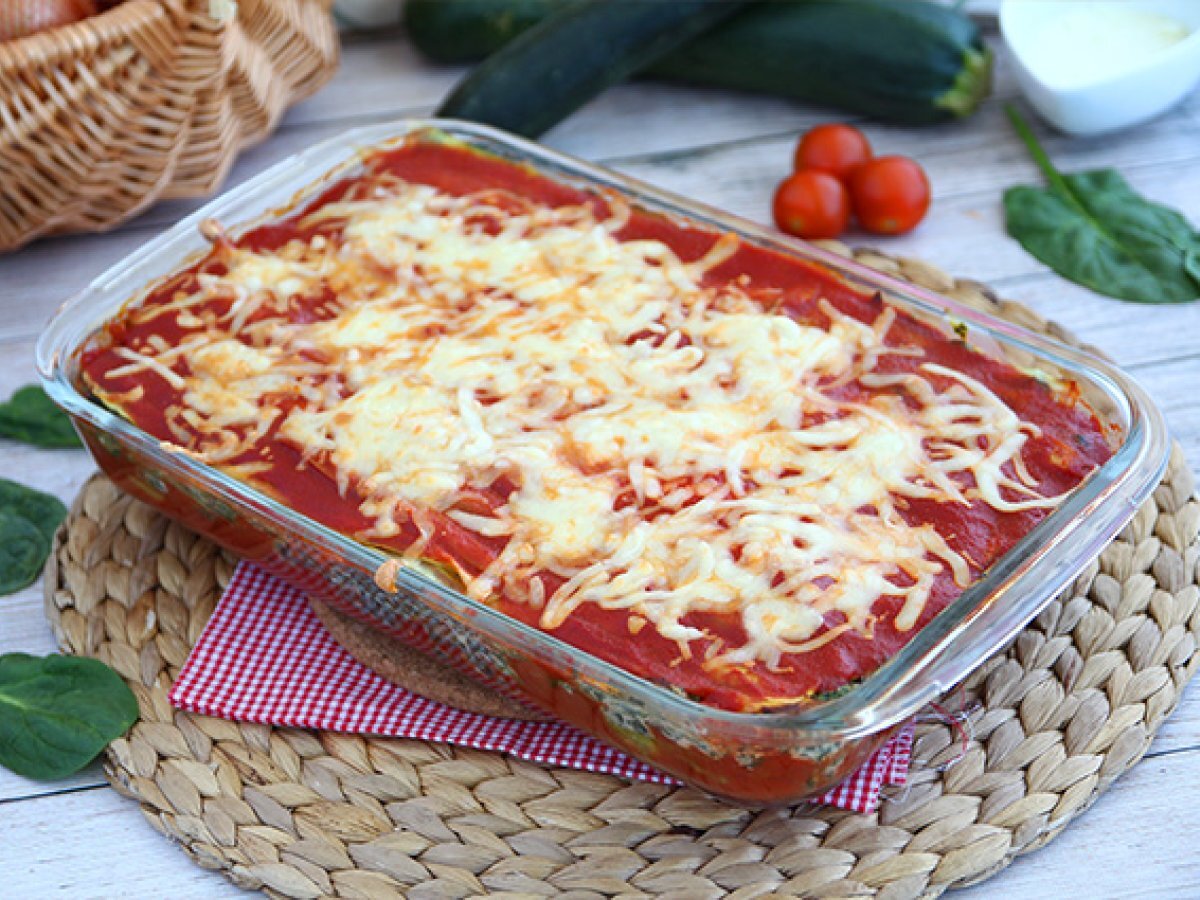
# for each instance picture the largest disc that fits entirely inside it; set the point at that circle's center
(28, 520)
(32, 417)
(58, 712)
(1094, 229)
(23, 552)
(43, 511)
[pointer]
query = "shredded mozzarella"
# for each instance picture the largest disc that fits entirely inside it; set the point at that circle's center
(674, 448)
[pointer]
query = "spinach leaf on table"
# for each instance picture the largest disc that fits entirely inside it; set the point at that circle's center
(28, 520)
(23, 552)
(1095, 230)
(43, 511)
(30, 416)
(58, 712)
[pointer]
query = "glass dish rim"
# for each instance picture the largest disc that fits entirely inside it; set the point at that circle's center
(1144, 450)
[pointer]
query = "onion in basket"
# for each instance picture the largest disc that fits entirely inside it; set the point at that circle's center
(21, 17)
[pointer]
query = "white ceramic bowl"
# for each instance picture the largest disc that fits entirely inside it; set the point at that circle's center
(1131, 93)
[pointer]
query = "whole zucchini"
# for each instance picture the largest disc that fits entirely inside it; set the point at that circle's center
(557, 65)
(462, 31)
(904, 61)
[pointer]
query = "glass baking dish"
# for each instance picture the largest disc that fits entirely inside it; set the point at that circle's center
(757, 759)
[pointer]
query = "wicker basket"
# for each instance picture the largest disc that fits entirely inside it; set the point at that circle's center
(149, 100)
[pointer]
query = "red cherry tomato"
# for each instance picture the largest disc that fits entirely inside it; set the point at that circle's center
(890, 194)
(833, 148)
(811, 204)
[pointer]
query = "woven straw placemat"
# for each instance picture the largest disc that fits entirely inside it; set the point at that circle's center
(1049, 724)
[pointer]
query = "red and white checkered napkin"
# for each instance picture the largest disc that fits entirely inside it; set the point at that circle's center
(265, 657)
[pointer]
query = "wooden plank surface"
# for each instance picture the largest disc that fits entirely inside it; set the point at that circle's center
(79, 839)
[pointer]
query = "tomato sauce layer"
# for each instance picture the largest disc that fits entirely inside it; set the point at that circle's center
(1066, 445)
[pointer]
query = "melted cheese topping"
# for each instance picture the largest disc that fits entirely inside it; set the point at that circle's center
(672, 448)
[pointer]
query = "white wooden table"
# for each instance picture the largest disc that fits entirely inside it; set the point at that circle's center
(80, 839)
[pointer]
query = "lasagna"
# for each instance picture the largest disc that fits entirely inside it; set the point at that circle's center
(719, 467)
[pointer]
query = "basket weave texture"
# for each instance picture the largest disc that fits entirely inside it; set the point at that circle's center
(1050, 723)
(152, 99)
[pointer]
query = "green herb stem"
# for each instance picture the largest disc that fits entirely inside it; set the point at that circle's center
(1039, 154)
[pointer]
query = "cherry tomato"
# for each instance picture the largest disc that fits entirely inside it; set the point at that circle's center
(812, 204)
(890, 194)
(833, 148)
